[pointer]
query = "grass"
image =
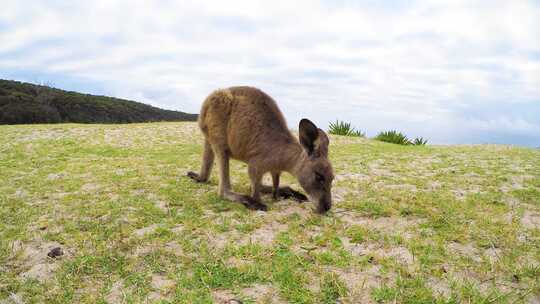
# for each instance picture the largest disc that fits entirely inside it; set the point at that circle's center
(428, 224)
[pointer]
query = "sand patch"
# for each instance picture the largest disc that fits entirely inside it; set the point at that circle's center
(264, 235)
(384, 224)
(21, 193)
(145, 230)
(137, 192)
(174, 248)
(117, 293)
(221, 240)
(339, 194)
(179, 228)
(158, 202)
(434, 185)
(223, 296)
(401, 187)
(13, 298)
(34, 256)
(261, 293)
(142, 251)
(121, 171)
(530, 220)
(55, 176)
(516, 183)
(286, 208)
(90, 187)
(381, 172)
(360, 282)
(161, 283)
(466, 250)
(440, 288)
(461, 193)
(401, 254)
(238, 262)
(352, 176)
(493, 254)
(41, 272)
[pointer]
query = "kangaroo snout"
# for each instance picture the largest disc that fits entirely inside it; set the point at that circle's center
(323, 207)
(323, 204)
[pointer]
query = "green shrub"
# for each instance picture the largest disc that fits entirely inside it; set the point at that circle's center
(399, 138)
(393, 137)
(344, 128)
(419, 141)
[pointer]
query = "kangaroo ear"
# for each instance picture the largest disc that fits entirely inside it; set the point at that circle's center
(308, 135)
(321, 144)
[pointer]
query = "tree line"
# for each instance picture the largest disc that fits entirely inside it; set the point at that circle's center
(26, 103)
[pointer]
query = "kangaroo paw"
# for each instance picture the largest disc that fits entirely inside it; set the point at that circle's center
(252, 204)
(288, 192)
(299, 197)
(194, 176)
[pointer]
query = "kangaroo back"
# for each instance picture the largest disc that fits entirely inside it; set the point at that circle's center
(244, 120)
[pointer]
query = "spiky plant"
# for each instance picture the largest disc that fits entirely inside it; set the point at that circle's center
(419, 141)
(344, 128)
(393, 137)
(358, 133)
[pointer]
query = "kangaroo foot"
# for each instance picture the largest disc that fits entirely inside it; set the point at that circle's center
(194, 176)
(288, 192)
(252, 204)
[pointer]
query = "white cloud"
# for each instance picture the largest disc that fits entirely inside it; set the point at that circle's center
(375, 64)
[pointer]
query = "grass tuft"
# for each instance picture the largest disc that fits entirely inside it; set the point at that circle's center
(344, 129)
(393, 137)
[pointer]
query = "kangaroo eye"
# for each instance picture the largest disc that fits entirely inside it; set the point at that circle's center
(319, 177)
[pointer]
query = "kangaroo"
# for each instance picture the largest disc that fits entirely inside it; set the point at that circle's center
(245, 124)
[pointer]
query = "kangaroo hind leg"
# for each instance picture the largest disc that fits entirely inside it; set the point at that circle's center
(225, 184)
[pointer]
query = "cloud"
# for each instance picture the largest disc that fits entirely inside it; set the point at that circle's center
(419, 66)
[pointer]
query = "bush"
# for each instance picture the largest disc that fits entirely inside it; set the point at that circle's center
(344, 128)
(395, 137)
(419, 141)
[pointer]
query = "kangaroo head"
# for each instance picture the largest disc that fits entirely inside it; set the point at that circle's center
(315, 172)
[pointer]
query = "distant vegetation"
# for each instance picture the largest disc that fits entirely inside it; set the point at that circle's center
(25, 103)
(344, 128)
(399, 138)
(419, 141)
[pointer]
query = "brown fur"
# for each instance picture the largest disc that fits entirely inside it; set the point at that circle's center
(245, 124)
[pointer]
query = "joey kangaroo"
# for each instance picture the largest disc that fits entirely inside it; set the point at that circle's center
(245, 124)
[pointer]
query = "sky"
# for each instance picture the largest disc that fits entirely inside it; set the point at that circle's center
(454, 72)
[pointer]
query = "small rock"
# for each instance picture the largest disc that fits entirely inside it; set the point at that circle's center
(55, 252)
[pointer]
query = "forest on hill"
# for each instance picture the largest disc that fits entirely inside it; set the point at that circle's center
(26, 103)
